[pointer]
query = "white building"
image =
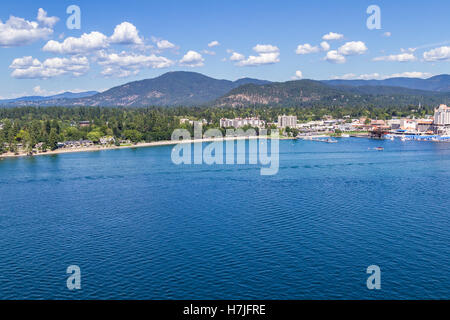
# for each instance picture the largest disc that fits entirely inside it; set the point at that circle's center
(442, 115)
(287, 121)
(442, 120)
(240, 122)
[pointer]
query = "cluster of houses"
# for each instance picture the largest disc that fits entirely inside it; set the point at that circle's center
(74, 144)
(108, 140)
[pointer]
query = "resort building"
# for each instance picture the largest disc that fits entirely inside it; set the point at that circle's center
(442, 120)
(442, 115)
(240, 122)
(287, 121)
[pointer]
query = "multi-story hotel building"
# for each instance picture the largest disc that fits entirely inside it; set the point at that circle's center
(287, 121)
(442, 120)
(240, 122)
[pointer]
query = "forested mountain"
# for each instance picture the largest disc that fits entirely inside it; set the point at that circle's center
(194, 89)
(439, 83)
(309, 93)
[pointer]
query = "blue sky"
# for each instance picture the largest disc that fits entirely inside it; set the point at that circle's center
(123, 41)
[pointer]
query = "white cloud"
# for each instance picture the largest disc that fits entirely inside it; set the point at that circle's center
(352, 48)
(298, 75)
(403, 57)
(192, 59)
(263, 58)
(18, 32)
(45, 20)
(265, 48)
(86, 43)
(267, 54)
(306, 49)
(377, 76)
(333, 56)
(333, 36)
(30, 68)
(387, 34)
(126, 33)
(211, 53)
(414, 74)
(126, 64)
(214, 43)
(325, 46)
(438, 54)
(43, 92)
(237, 56)
(164, 44)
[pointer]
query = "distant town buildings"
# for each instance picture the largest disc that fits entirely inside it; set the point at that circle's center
(285, 121)
(240, 122)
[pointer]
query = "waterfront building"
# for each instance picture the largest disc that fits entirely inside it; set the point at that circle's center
(287, 121)
(240, 122)
(442, 120)
(442, 115)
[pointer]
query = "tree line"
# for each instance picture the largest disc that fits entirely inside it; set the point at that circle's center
(29, 126)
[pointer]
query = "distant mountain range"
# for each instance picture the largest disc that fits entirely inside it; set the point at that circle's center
(64, 95)
(439, 83)
(190, 88)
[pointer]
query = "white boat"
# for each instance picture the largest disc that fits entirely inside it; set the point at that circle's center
(345, 136)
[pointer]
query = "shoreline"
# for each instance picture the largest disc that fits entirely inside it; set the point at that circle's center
(138, 145)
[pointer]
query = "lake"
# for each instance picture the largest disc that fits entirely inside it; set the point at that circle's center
(141, 227)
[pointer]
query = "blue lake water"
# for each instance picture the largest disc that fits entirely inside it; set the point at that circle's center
(141, 227)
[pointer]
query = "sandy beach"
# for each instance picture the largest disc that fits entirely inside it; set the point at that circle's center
(138, 145)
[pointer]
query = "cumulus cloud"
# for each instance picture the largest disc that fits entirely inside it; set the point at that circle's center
(45, 20)
(192, 59)
(263, 58)
(265, 48)
(126, 33)
(334, 56)
(387, 34)
(31, 68)
(333, 36)
(214, 43)
(267, 54)
(86, 43)
(18, 31)
(306, 49)
(164, 44)
(403, 57)
(377, 76)
(38, 90)
(126, 64)
(325, 46)
(438, 54)
(211, 53)
(298, 75)
(352, 48)
(237, 56)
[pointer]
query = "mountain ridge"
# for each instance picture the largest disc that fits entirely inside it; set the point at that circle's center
(182, 88)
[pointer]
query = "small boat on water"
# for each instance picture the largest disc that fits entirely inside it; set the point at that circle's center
(379, 148)
(329, 140)
(345, 136)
